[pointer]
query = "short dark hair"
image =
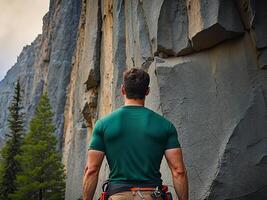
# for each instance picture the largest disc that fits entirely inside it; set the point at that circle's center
(136, 82)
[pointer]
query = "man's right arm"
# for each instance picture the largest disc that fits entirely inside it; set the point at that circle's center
(96, 155)
(175, 161)
(90, 179)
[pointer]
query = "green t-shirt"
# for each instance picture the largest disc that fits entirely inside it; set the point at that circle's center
(134, 139)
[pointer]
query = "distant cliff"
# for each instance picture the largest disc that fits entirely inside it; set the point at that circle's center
(207, 61)
(45, 64)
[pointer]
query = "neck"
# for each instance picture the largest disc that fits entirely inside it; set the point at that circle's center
(134, 102)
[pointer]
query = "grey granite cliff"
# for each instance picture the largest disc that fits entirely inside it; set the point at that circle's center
(45, 65)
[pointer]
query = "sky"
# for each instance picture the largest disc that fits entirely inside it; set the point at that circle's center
(20, 23)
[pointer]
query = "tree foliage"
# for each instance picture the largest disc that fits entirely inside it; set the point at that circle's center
(42, 174)
(9, 166)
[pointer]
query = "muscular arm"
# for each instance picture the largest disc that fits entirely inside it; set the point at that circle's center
(175, 161)
(91, 172)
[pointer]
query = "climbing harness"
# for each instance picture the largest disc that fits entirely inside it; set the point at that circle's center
(159, 192)
(140, 194)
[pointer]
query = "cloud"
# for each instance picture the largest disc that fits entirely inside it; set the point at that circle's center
(20, 23)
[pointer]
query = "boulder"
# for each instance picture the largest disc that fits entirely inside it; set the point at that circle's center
(217, 102)
(172, 34)
(212, 22)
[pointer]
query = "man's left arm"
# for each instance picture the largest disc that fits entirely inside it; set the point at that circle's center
(90, 179)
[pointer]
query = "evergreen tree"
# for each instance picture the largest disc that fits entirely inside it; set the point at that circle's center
(42, 176)
(9, 166)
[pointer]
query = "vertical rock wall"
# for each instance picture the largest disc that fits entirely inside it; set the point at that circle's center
(206, 61)
(45, 65)
(25, 71)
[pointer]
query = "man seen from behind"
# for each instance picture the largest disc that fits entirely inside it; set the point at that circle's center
(134, 140)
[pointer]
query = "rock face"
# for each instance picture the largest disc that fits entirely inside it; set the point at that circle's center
(45, 65)
(25, 71)
(207, 63)
(218, 130)
(212, 22)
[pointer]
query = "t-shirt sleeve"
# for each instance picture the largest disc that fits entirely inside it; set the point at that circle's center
(97, 140)
(172, 141)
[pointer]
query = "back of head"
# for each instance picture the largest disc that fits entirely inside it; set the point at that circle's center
(136, 82)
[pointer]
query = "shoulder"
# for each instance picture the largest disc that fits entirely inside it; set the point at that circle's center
(160, 118)
(110, 117)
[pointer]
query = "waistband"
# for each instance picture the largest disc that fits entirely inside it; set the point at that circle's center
(114, 188)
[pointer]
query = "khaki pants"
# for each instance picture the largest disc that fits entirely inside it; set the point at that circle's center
(132, 195)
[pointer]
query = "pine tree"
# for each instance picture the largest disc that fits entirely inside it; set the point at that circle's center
(42, 176)
(9, 166)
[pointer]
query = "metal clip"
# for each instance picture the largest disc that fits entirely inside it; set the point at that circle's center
(140, 194)
(156, 194)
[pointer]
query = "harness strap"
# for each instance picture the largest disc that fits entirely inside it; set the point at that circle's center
(110, 189)
(142, 189)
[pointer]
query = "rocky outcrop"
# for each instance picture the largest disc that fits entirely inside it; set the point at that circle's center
(173, 29)
(209, 95)
(80, 109)
(207, 63)
(212, 22)
(25, 71)
(254, 19)
(45, 65)
(218, 130)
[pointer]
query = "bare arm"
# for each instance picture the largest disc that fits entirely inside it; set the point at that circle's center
(91, 172)
(174, 158)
